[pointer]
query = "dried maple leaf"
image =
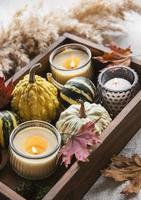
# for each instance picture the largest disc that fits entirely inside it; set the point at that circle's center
(123, 169)
(5, 93)
(133, 187)
(79, 145)
(117, 56)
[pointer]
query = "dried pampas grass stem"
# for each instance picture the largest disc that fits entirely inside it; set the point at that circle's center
(30, 34)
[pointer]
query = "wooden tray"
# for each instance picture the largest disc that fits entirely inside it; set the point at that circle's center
(74, 182)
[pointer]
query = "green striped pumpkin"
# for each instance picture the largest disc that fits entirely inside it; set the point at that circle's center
(75, 89)
(7, 123)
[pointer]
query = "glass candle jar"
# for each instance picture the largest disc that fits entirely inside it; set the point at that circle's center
(71, 60)
(116, 87)
(34, 147)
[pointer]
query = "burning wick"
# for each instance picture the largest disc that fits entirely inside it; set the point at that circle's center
(71, 63)
(116, 82)
(34, 150)
(36, 144)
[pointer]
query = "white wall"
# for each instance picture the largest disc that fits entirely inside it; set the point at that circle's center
(9, 7)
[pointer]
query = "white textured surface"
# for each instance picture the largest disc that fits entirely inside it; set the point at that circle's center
(104, 189)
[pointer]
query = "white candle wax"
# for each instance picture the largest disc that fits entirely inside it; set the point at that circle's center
(117, 84)
(35, 133)
(60, 58)
(35, 154)
(71, 63)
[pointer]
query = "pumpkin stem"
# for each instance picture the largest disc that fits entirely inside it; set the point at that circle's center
(32, 72)
(54, 82)
(82, 112)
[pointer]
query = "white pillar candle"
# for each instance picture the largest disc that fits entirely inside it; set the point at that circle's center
(33, 150)
(68, 62)
(117, 84)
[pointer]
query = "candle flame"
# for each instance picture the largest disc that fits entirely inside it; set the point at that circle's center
(35, 144)
(34, 150)
(72, 64)
(116, 81)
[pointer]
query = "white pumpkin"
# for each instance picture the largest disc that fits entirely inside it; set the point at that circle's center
(75, 116)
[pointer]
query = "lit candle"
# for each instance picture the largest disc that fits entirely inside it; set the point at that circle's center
(35, 144)
(117, 84)
(71, 63)
(71, 60)
(116, 87)
(33, 150)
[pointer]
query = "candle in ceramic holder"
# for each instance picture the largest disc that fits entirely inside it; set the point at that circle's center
(34, 147)
(116, 87)
(71, 60)
(117, 84)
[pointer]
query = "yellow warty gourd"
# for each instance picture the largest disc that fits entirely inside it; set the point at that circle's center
(35, 98)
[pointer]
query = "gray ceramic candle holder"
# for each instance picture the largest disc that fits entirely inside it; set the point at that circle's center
(115, 101)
